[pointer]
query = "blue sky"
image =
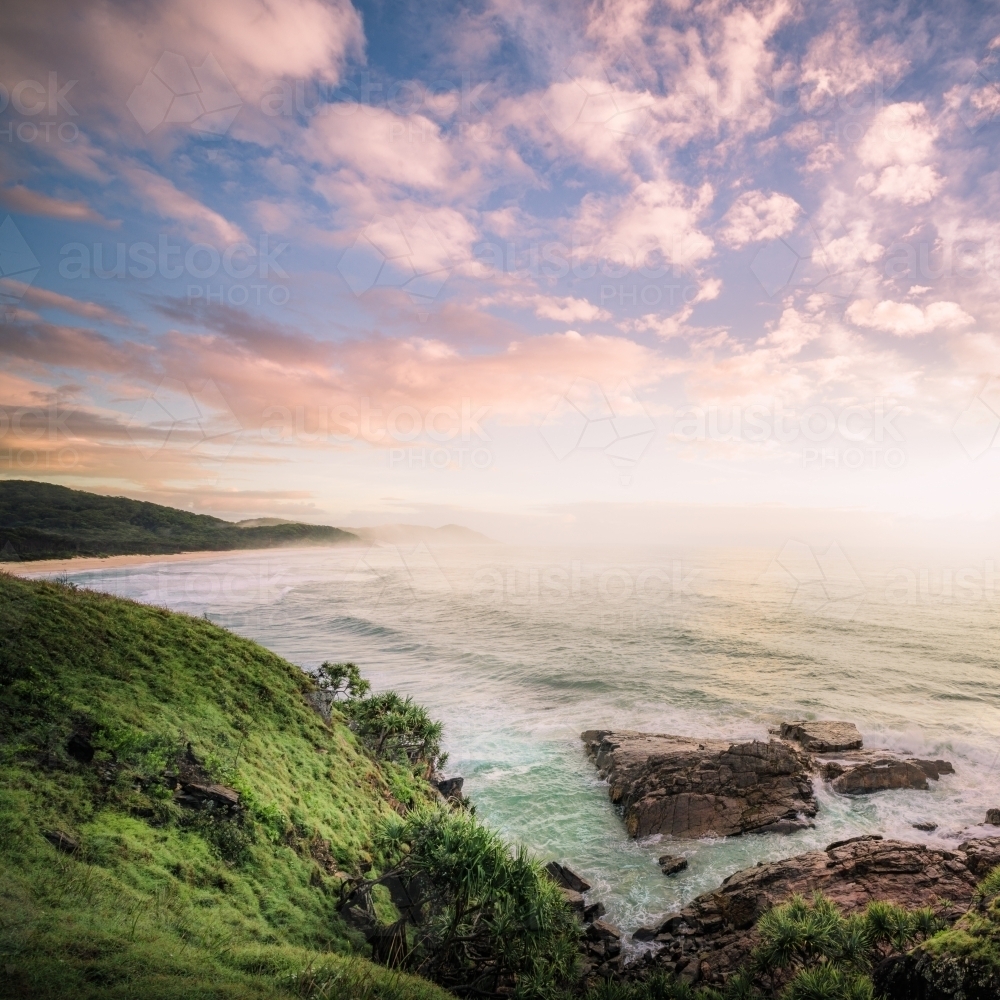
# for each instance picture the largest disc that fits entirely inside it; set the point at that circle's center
(524, 266)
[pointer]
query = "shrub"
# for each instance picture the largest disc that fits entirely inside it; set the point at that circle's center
(484, 916)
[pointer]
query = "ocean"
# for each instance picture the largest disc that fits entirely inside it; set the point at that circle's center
(517, 651)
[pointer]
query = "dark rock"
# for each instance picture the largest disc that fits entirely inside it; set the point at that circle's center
(606, 933)
(925, 827)
(79, 747)
(981, 855)
(566, 877)
(593, 911)
(785, 826)
(207, 796)
(868, 772)
(693, 788)
(574, 900)
(61, 841)
(451, 788)
(822, 737)
(993, 817)
(670, 864)
(924, 975)
(718, 926)
(645, 934)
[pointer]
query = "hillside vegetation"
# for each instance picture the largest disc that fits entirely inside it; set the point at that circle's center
(144, 897)
(43, 521)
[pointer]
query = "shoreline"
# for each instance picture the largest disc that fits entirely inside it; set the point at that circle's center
(82, 564)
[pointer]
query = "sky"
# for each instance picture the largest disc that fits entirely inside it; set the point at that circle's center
(556, 271)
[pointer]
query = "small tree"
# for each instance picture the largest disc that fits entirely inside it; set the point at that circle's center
(342, 680)
(489, 919)
(396, 728)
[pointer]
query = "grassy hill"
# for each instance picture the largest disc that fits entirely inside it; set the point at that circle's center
(111, 886)
(43, 521)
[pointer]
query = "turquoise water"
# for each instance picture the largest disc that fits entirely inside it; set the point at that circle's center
(518, 651)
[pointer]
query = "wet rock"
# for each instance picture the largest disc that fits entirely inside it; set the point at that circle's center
(822, 737)
(671, 864)
(62, 841)
(718, 926)
(872, 771)
(593, 911)
(981, 855)
(925, 827)
(645, 934)
(685, 787)
(451, 788)
(600, 949)
(566, 877)
(993, 817)
(785, 826)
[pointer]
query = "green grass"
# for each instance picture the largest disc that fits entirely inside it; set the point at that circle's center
(158, 900)
(44, 521)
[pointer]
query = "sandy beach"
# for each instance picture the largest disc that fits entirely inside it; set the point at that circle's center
(46, 567)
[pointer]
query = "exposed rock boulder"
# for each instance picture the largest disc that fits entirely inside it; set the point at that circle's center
(993, 817)
(981, 855)
(865, 771)
(822, 737)
(716, 930)
(566, 877)
(685, 787)
(62, 841)
(451, 788)
(601, 948)
(671, 864)
(203, 796)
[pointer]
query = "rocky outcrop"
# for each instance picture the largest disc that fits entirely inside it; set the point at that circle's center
(601, 944)
(62, 841)
(685, 787)
(714, 934)
(671, 864)
(822, 737)
(566, 878)
(451, 788)
(862, 772)
(993, 817)
(852, 770)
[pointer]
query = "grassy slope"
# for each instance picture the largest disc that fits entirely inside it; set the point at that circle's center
(149, 906)
(43, 521)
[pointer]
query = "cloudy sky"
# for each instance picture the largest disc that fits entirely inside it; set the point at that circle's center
(547, 264)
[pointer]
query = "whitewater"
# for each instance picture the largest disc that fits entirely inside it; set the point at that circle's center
(519, 650)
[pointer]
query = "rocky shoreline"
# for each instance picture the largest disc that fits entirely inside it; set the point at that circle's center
(679, 786)
(688, 788)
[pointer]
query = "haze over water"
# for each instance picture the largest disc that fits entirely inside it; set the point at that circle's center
(517, 651)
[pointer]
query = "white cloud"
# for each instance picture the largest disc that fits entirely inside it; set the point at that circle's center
(198, 221)
(900, 140)
(905, 319)
(759, 216)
